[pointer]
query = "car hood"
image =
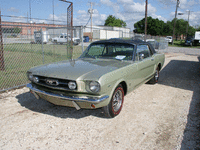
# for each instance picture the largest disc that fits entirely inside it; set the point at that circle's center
(80, 69)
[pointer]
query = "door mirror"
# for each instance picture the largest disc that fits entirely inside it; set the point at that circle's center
(141, 56)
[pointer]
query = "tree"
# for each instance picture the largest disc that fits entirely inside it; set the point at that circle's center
(139, 26)
(168, 28)
(114, 22)
(181, 26)
(154, 26)
(159, 27)
(198, 28)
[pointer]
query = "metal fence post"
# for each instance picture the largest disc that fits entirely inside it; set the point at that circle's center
(42, 45)
(82, 39)
(2, 65)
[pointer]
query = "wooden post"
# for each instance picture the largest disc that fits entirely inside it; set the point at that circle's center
(145, 30)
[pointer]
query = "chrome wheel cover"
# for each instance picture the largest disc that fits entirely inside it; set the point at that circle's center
(117, 100)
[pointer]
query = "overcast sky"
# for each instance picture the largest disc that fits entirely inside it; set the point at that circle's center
(130, 11)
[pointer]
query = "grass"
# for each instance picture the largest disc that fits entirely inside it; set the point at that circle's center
(181, 43)
(18, 58)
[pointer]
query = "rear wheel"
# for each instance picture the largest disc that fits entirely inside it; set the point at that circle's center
(155, 78)
(116, 103)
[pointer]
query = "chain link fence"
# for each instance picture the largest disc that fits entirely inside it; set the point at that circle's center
(23, 47)
(27, 45)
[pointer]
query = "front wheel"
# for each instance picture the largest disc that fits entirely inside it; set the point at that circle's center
(116, 103)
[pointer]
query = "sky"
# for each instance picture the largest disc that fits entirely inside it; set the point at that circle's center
(129, 11)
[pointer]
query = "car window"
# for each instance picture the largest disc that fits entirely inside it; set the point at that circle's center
(142, 50)
(96, 50)
(61, 36)
(110, 51)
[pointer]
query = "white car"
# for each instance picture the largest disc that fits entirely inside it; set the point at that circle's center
(63, 39)
(169, 39)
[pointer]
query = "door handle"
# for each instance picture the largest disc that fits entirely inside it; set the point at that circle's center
(152, 59)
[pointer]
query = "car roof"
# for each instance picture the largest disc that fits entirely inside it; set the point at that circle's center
(116, 40)
(122, 41)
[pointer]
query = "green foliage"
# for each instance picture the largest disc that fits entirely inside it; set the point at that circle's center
(159, 27)
(198, 28)
(114, 22)
(154, 26)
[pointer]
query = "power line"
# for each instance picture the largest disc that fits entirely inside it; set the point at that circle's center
(88, 21)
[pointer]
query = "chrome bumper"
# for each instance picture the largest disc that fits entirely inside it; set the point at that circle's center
(79, 99)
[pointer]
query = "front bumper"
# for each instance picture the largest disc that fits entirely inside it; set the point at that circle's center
(59, 99)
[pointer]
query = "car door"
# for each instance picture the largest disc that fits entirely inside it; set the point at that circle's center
(145, 62)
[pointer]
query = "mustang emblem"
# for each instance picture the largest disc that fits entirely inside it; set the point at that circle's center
(52, 82)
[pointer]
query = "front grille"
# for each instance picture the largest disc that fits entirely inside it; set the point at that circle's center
(54, 83)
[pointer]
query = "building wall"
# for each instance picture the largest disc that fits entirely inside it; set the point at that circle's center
(28, 28)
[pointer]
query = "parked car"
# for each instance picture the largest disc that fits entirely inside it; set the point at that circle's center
(63, 39)
(169, 38)
(100, 78)
(189, 41)
(153, 42)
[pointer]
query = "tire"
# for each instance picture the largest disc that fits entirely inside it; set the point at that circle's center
(155, 78)
(55, 41)
(116, 103)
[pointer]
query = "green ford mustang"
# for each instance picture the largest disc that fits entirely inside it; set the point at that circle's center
(100, 77)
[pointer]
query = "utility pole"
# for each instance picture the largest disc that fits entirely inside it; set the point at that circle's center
(30, 9)
(175, 21)
(53, 12)
(91, 12)
(145, 32)
(188, 23)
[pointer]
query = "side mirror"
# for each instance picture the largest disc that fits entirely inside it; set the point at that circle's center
(141, 56)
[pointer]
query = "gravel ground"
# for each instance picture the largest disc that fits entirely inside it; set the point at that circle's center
(161, 116)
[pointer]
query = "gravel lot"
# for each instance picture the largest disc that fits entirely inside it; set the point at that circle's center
(162, 116)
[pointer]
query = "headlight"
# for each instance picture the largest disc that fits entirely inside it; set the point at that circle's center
(30, 76)
(94, 86)
(35, 79)
(72, 85)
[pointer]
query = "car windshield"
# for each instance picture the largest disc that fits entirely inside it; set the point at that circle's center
(109, 51)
